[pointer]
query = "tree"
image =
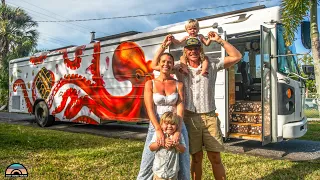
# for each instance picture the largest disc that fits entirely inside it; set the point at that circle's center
(310, 84)
(18, 37)
(293, 12)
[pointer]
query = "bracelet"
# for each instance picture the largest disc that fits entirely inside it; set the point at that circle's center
(221, 43)
(164, 46)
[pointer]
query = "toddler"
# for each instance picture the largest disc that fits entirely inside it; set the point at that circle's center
(192, 28)
(166, 161)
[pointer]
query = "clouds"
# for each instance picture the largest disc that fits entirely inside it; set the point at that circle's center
(54, 35)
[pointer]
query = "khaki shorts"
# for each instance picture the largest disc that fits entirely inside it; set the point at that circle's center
(203, 131)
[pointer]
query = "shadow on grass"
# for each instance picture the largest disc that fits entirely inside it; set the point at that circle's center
(300, 170)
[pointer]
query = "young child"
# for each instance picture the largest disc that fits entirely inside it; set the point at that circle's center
(192, 28)
(166, 161)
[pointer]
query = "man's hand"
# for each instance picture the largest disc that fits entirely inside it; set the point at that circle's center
(213, 36)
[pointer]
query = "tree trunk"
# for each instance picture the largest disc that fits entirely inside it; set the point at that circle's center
(314, 33)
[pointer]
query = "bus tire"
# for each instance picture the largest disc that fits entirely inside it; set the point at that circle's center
(41, 112)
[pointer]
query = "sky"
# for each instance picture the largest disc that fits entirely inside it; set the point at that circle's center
(55, 35)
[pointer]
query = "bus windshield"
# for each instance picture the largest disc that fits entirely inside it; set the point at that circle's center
(286, 64)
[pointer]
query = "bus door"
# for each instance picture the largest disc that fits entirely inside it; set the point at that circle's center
(265, 47)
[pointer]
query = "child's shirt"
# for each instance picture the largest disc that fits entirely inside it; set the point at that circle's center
(166, 161)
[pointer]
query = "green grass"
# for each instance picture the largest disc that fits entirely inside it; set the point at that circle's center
(311, 113)
(313, 132)
(49, 154)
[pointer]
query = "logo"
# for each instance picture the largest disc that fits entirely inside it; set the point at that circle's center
(242, 17)
(16, 170)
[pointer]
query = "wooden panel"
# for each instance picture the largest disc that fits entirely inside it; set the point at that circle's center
(246, 124)
(245, 136)
(232, 85)
(247, 113)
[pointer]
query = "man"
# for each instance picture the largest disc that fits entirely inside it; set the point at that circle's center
(202, 123)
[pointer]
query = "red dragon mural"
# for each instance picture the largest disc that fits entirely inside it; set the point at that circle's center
(128, 64)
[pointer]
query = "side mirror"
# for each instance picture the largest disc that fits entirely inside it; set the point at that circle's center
(309, 70)
(305, 34)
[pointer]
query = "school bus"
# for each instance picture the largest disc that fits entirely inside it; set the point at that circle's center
(261, 98)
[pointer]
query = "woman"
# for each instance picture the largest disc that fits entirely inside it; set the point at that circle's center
(164, 94)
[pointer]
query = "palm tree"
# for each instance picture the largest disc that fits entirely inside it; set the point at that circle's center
(18, 37)
(293, 12)
(17, 32)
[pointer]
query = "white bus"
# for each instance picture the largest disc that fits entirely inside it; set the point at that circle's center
(257, 99)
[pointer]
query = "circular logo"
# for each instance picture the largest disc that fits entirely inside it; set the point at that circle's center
(16, 170)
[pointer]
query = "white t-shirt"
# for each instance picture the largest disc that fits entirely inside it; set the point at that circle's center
(166, 161)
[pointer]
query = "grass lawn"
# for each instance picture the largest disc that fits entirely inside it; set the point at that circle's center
(313, 132)
(311, 113)
(50, 154)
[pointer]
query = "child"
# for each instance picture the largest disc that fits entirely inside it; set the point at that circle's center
(192, 28)
(166, 161)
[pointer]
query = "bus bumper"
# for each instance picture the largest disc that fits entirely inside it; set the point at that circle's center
(295, 129)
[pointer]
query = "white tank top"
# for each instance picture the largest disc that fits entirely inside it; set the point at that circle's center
(164, 103)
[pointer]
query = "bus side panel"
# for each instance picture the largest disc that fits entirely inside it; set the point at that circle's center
(88, 85)
(21, 77)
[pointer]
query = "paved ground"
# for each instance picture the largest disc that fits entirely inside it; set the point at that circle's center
(296, 150)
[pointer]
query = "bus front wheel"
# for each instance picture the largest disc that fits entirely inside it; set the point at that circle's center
(43, 118)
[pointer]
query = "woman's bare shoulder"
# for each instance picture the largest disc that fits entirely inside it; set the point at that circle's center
(148, 84)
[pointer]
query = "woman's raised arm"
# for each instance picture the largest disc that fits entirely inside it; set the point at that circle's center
(165, 44)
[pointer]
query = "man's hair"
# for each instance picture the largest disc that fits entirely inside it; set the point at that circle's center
(170, 118)
(184, 54)
(192, 23)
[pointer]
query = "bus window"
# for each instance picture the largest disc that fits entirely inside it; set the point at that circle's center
(286, 64)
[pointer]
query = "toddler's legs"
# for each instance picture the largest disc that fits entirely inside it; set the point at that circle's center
(183, 65)
(204, 69)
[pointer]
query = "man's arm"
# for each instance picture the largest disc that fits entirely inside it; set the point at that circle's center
(234, 55)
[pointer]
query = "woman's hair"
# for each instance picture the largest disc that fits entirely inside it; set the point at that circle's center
(192, 23)
(184, 55)
(167, 54)
(170, 118)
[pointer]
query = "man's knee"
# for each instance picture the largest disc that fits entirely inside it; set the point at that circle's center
(214, 158)
(197, 157)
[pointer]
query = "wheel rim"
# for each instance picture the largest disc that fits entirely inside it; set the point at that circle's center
(41, 115)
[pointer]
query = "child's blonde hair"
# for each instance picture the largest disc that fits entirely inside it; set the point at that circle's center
(192, 23)
(170, 118)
